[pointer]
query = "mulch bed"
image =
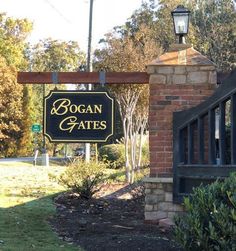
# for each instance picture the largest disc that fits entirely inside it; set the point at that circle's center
(113, 220)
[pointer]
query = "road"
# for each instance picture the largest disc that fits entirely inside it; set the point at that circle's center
(20, 159)
(23, 159)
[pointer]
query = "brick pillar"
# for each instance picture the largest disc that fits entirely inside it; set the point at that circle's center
(179, 79)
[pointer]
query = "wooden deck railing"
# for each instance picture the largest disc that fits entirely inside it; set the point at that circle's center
(204, 142)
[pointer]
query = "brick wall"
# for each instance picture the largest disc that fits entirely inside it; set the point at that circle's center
(173, 88)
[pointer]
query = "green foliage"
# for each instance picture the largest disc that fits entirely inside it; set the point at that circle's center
(119, 175)
(113, 154)
(83, 178)
(54, 55)
(26, 146)
(10, 110)
(13, 109)
(13, 33)
(214, 23)
(210, 221)
(145, 154)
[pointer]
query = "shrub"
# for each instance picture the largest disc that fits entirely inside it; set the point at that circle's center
(113, 154)
(210, 220)
(83, 178)
(145, 154)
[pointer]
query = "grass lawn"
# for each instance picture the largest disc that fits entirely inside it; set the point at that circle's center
(26, 205)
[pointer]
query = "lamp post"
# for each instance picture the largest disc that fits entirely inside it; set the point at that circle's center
(180, 17)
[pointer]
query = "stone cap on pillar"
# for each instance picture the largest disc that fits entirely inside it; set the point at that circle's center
(181, 54)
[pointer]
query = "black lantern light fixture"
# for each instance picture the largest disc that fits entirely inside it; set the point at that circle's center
(181, 22)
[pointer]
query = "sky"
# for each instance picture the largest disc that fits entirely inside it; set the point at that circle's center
(69, 19)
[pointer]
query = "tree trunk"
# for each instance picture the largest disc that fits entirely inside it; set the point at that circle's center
(126, 140)
(140, 148)
(133, 144)
(142, 128)
(133, 156)
(127, 104)
(54, 150)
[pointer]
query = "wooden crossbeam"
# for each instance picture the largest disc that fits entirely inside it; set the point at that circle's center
(82, 77)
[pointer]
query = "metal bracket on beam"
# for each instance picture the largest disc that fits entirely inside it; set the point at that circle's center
(102, 78)
(55, 78)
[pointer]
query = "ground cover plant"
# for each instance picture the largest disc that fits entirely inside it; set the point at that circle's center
(26, 205)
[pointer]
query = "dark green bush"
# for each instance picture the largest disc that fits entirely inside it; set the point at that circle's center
(83, 178)
(113, 154)
(210, 219)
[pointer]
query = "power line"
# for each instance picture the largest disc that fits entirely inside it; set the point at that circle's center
(57, 11)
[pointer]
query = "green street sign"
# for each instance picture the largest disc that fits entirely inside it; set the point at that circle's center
(36, 128)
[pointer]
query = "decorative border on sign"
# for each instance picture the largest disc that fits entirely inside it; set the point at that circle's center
(76, 140)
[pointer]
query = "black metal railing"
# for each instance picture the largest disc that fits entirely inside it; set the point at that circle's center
(204, 140)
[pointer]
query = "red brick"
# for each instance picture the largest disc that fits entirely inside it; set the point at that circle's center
(164, 99)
